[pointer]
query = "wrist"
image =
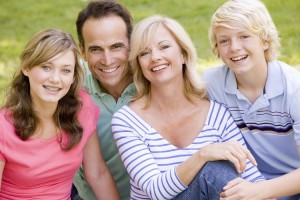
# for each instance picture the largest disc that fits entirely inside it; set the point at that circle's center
(266, 190)
(203, 155)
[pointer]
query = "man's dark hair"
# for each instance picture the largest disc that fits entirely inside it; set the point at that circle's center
(99, 9)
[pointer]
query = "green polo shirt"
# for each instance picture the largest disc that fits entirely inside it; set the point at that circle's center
(108, 106)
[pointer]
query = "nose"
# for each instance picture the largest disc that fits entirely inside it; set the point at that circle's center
(235, 45)
(155, 54)
(107, 58)
(55, 76)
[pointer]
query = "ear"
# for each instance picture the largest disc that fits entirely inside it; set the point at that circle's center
(265, 45)
(182, 59)
(25, 72)
(82, 51)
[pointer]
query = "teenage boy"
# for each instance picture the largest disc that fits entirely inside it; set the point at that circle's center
(263, 95)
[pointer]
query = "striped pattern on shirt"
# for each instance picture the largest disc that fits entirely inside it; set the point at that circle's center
(150, 160)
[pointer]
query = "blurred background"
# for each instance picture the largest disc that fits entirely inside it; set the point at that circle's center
(19, 20)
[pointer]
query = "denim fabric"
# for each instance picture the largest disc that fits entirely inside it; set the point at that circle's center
(209, 182)
(74, 193)
(295, 197)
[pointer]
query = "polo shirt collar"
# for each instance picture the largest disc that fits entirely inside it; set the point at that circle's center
(274, 85)
(96, 89)
(230, 82)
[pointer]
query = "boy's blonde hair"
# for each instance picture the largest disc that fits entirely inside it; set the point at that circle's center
(251, 15)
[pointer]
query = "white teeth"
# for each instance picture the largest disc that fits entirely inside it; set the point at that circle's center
(238, 58)
(109, 70)
(52, 89)
(159, 68)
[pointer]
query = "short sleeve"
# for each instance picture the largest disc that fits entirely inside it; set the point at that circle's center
(295, 114)
(89, 114)
(2, 143)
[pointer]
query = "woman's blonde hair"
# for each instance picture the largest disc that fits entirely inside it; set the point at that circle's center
(251, 15)
(141, 37)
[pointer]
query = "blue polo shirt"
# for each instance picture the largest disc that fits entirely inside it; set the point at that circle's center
(108, 106)
(271, 125)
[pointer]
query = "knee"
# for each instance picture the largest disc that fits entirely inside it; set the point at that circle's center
(219, 169)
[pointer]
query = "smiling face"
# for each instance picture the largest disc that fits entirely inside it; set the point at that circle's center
(51, 80)
(241, 50)
(106, 50)
(161, 61)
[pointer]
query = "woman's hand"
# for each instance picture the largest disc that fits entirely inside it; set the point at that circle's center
(231, 150)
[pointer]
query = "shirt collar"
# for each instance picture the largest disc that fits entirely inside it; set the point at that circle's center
(274, 85)
(96, 89)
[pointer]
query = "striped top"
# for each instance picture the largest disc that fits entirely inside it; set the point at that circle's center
(150, 160)
(271, 125)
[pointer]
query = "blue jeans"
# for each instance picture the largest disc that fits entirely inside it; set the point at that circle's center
(295, 197)
(209, 182)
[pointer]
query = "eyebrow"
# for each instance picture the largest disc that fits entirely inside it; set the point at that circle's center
(164, 41)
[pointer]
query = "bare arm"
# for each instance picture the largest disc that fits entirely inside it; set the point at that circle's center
(97, 172)
(286, 185)
(2, 164)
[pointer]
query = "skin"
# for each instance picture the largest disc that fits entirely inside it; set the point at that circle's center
(97, 172)
(161, 63)
(49, 82)
(243, 52)
(2, 164)
(106, 52)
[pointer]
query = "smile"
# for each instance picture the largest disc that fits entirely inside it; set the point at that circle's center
(155, 69)
(52, 89)
(239, 58)
(110, 70)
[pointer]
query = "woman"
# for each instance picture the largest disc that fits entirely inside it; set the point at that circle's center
(44, 134)
(170, 132)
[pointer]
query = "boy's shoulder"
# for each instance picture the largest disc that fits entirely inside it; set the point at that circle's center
(290, 74)
(215, 74)
(218, 69)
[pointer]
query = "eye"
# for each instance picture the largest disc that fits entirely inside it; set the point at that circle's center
(94, 49)
(66, 71)
(144, 53)
(46, 67)
(117, 46)
(165, 46)
(223, 41)
(245, 36)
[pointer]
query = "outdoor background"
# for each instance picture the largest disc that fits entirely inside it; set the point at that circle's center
(19, 20)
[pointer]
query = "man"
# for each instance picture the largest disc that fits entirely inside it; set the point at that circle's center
(104, 29)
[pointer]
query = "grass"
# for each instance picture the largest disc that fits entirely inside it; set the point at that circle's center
(19, 20)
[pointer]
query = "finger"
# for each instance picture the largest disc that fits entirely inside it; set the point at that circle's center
(235, 161)
(224, 196)
(244, 154)
(241, 156)
(250, 156)
(232, 183)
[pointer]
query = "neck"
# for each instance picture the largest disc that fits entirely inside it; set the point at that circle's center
(117, 90)
(168, 97)
(252, 85)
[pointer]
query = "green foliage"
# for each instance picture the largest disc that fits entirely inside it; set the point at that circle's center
(19, 20)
